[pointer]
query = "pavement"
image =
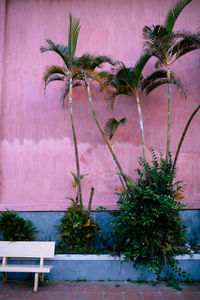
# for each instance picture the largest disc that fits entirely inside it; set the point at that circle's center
(97, 290)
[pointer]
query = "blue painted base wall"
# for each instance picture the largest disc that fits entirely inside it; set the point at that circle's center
(100, 269)
(47, 223)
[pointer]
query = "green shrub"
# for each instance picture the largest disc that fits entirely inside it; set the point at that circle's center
(15, 228)
(77, 230)
(147, 226)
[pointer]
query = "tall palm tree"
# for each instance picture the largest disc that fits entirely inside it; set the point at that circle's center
(85, 70)
(66, 74)
(168, 46)
(130, 82)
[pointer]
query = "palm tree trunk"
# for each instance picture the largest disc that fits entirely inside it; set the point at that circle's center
(141, 128)
(169, 113)
(117, 170)
(183, 135)
(102, 133)
(75, 144)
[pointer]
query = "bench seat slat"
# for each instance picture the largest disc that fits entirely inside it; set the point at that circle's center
(27, 249)
(26, 268)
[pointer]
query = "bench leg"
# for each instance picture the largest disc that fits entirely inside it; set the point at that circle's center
(36, 282)
(4, 277)
(41, 277)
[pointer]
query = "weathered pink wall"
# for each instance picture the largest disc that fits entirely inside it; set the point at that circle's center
(37, 153)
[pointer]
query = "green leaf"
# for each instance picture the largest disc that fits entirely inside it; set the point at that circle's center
(60, 49)
(111, 126)
(174, 13)
(73, 33)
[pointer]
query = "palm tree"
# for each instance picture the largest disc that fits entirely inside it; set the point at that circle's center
(168, 46)
(85, 70)
(130, 82)
(66, 74)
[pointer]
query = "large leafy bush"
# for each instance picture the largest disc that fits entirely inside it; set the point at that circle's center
(147, 226)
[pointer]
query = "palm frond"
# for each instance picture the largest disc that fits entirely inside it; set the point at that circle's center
(158, 41)
(91, 62)
(111, 126)
(174, 13)
(60, 49)
(65, 92)
(160, 74)
(139, 66)
(125, 78)
(187, 43)
(110, 97)
(73, 33)
(53, 70)
(53, 78)
(159, 78)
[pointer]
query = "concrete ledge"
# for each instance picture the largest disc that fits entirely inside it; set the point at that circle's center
(104, 267)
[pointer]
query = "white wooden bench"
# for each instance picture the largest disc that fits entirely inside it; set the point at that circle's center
(21, 250)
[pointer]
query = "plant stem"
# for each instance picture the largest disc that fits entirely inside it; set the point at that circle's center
(102, 133)
(117, 170)
(169, 112)
(90, 199)
(183, 135)
(141, 128)
(75, 144)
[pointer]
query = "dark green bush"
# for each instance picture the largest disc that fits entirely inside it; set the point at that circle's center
(15, 228)
(77, 230)
(147, 226)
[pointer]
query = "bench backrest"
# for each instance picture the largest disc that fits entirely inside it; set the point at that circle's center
(27, 249)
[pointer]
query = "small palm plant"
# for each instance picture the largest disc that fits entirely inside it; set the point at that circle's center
(168, 47)
(66, 74)
(130, 82)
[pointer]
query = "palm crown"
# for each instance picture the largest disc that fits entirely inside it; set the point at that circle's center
(130, 82)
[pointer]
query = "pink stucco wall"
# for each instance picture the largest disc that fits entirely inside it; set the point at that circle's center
(36, 153)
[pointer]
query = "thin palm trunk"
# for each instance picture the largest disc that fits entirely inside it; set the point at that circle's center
(117, 170)
(141, 128)
(102, 133)
(183, 135)
(169, 112)
(75, 144)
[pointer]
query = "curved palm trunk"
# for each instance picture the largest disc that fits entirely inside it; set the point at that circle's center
(169, 113)
(141, 128)
(75, 144)
(103, 135)
(183, 135)
(117, 170)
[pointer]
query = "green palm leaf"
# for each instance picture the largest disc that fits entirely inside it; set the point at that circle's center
(139, 66)
(111, 126)
(91, 62)
(189, 42)
(160, 74)
(52, 70)
(159, 78)
(174, 13)
(60, 49)
(73, 33)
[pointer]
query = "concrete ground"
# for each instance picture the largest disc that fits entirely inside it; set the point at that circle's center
(96, 290)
